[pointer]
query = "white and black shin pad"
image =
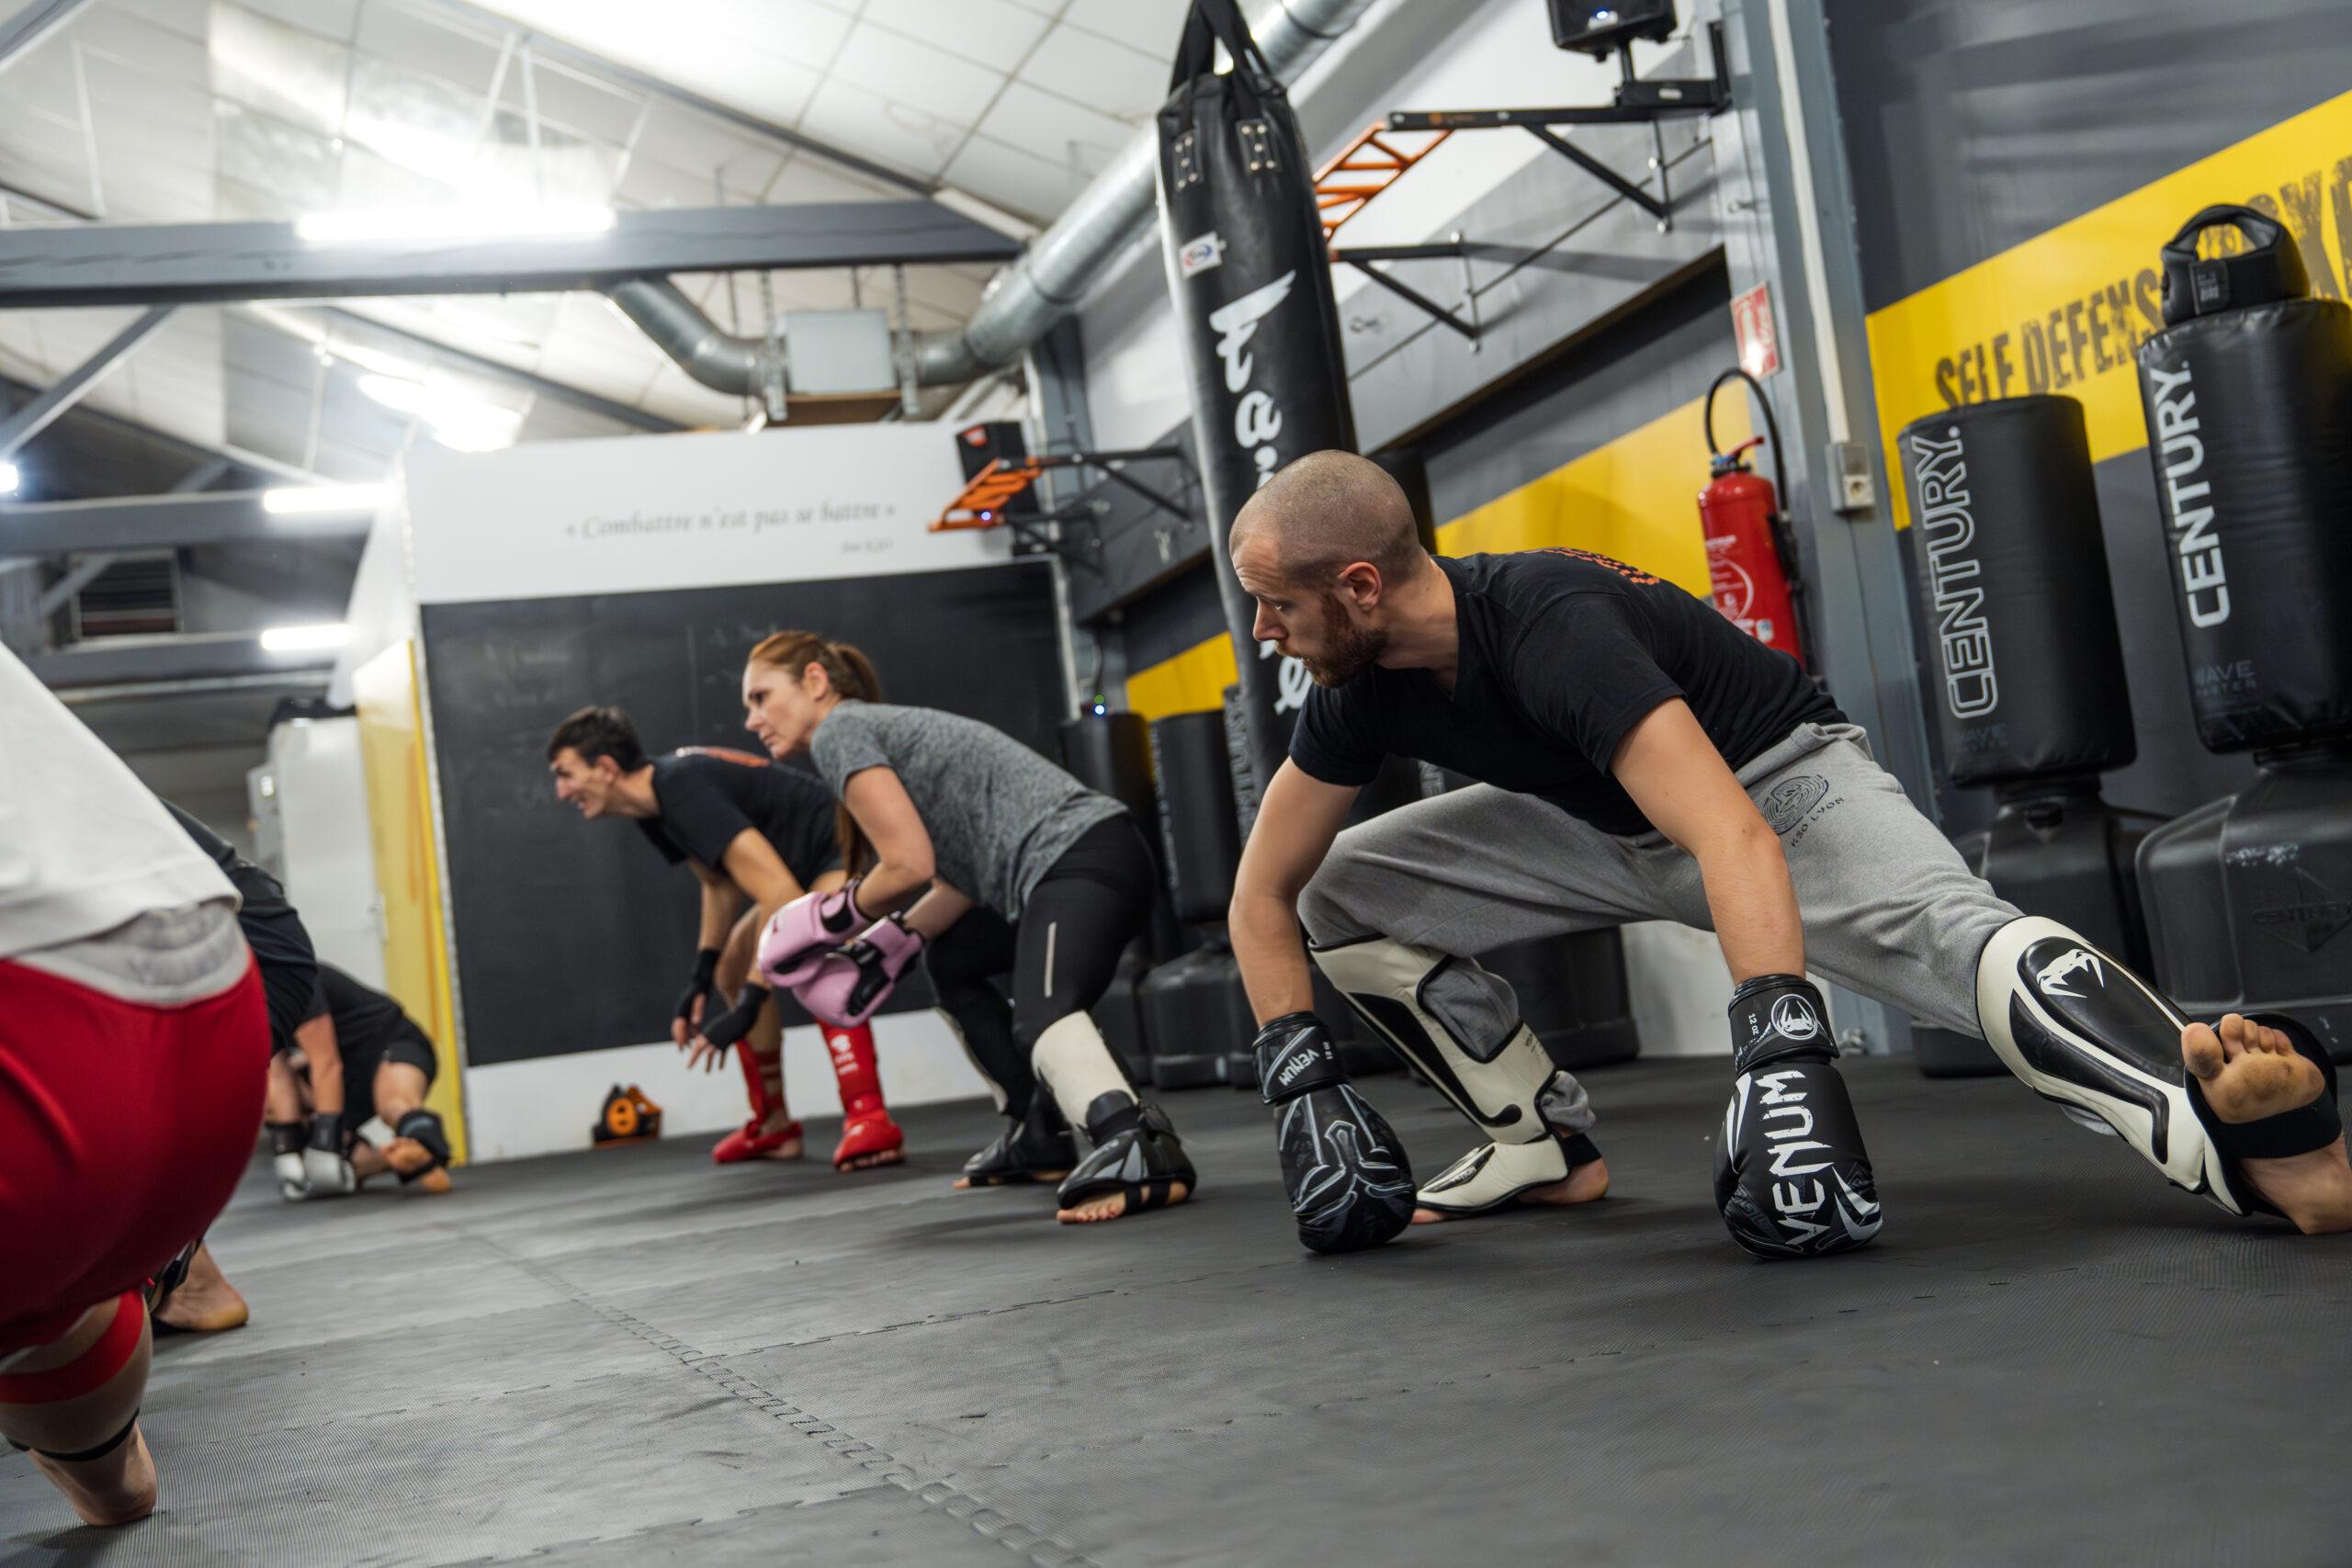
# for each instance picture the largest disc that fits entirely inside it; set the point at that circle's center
(1458, 1026)
(2083, 1031)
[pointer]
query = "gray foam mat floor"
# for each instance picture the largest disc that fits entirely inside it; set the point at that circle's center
(632, 1356)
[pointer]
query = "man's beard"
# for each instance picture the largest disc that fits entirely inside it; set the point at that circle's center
(1352, 649)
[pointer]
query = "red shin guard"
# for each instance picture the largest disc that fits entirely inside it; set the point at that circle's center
(867, 1127)
(108, 1355)
(748, 1141)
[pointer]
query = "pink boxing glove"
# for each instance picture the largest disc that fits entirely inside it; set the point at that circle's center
(803, 932)
(851, 982)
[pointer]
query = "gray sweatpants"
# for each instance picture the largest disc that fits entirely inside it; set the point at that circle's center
(1890, 909)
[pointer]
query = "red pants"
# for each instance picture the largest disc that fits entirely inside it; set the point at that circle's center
(123, 1130)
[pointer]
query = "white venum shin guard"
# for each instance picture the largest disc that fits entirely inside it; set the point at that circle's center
(1455, 1024)
(1072, 1060)
(2082, 1030)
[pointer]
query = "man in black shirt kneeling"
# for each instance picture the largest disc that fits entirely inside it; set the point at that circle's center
(1640, 758)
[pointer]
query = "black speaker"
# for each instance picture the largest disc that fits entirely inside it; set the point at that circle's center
(1600, 27)
(978, 445)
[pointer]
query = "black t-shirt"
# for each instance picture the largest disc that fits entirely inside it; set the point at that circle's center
(1561, 653)
(709, 796)
(281, 947)
(365, 1021)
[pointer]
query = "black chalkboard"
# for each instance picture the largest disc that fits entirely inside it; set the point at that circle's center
(573, 936)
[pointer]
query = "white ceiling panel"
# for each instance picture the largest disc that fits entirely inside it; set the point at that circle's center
(698, 147)
(810, 178)
(42, 83)
(575, 103)
(1106, 76)
(1054, 128)
(994, 33)
(282, 72)
(186, 17)
(168, 51)
(1151, 26)
(648, 183)
(419, 41)
(604, 375)
(337, 20)
(897, 68)
(897, 134)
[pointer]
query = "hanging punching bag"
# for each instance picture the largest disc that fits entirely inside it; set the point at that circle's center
(2014, 593)
(1251, 284)
(2248, 395)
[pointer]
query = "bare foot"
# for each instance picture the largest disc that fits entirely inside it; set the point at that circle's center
(1111, 1205)
(406, 1156)
(1581, 1185)
(2313, 1190)
(880, 1157)
(2248, 1072)
(113, 1489)
(368, 1160)
(206, 1303)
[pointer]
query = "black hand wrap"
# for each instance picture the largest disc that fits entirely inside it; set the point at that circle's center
(736, 1021)
(1350, 1184)
(703, 988)
(286, 1137)
(1792, 1177)
(326, 1132)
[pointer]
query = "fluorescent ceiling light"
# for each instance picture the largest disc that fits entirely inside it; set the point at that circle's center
(458, 421)
(300, 640)
(8, 477)
(305, 500)
(519, 220)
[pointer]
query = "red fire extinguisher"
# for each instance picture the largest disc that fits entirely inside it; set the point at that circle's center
(1747, 548)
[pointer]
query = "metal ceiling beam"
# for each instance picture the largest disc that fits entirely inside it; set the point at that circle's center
(77, 383)
(491, 369)
(112, 264)
(121, 662)
(31, 23)
(548, 47)
(162, 522)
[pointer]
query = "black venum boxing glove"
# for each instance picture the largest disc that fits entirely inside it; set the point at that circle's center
(1792, 1177)
(1350, 1185)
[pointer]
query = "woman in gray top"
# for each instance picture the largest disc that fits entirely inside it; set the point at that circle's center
(1034, 880)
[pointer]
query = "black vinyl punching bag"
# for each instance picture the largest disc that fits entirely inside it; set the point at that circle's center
(2015, 602)
(2248, 395)
(1252, 289)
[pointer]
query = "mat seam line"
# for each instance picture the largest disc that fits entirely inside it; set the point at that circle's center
(990, 1523)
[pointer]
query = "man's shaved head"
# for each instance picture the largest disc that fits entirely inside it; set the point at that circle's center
(1327, 510)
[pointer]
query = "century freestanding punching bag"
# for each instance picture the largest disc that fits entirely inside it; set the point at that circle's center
(2248, 397)
(2015, 602)
(1252, 285)
(2026, 670)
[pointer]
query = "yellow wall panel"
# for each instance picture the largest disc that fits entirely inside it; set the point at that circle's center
(408, 871)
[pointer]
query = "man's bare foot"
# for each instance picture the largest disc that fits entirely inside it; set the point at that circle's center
(113, 1489)
(1111, 1205)
(2248, 1072)
(206, 1303)
(406, 1156)
(880, 1157)
(1581, 1185)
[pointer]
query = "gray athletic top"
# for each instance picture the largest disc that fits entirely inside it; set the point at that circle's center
(998, 814)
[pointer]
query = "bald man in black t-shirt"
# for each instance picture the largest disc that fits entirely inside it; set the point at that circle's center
(1640, 758)
(757, 836)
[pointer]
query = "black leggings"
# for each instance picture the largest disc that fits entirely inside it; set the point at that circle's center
(1059, 957)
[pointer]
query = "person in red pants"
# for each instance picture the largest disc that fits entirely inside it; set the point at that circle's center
(757, 837)
(134, 1035)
